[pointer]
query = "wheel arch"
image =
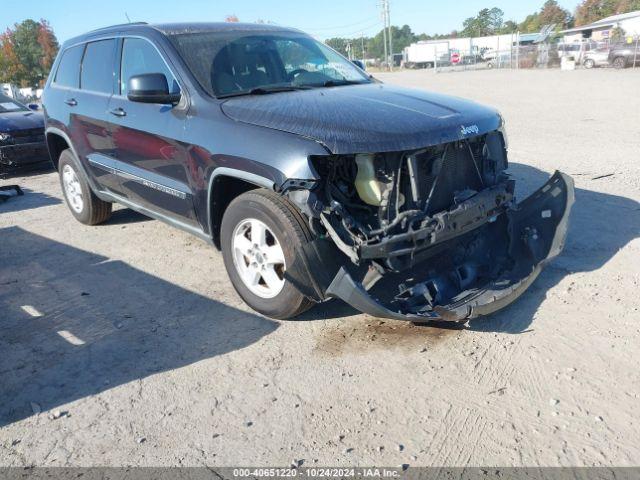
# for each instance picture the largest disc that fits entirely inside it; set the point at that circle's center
(225, 185)
(57, 142)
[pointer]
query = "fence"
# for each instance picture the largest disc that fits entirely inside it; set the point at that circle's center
(501, 52)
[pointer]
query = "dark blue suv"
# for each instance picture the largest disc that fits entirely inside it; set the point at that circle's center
(313, 178)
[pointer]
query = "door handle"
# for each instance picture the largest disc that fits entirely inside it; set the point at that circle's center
(118, 112)
(71, 102)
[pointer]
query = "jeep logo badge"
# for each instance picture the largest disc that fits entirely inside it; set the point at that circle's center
(469, 130)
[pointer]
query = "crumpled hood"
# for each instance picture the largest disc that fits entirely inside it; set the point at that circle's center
(366, 118)
(13, 121)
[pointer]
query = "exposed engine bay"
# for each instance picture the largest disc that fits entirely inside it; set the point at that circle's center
(435, 233)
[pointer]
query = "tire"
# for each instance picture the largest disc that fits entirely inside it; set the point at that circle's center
(619, 63)
(286, 228)
(589, 64)
(82, 202)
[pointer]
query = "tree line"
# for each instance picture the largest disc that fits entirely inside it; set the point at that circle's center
(27, 53)
(489, 21)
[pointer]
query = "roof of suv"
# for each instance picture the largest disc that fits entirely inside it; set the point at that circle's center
(187, 27)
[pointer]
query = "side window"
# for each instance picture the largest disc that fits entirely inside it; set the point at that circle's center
(140, 57)
(97, 67)
(68, 73)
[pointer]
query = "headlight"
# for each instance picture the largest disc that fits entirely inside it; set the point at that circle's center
(503, 131)
(4, 137)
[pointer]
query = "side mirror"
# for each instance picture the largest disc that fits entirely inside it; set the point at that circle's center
(359, 64)
(33, 106)
(151, 88)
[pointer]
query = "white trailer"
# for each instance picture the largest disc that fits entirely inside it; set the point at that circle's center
(438, 52)
(425, 54)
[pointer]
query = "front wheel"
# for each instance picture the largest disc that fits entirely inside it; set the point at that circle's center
(589, 64)
(620, 63)
(262, 238)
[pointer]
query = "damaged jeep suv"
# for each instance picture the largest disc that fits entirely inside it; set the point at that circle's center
(314, 179)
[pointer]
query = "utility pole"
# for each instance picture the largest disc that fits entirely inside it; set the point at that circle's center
(390, 35)
(384, 31)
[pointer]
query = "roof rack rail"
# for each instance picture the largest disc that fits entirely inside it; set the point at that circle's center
(118, 25)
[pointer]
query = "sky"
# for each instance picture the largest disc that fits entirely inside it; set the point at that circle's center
(321, 18)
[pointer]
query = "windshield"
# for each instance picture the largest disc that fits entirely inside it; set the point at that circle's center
(7, 104)
(226, 63)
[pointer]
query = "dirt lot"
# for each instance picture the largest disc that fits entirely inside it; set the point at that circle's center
(132, 336)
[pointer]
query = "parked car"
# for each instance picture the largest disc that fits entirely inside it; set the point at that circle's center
(21, 136)
(596, 58)
(314, 179)
(625, 55)
(576, 50)
(494, 58)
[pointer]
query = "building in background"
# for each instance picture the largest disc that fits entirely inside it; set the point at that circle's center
(602, 30)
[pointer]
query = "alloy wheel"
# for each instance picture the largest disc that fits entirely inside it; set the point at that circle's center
(258, 258)
(72, 189)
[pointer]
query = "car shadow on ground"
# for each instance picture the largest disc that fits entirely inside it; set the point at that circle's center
(75, 324)
(125, 216)
(28, 201)
(600, 225)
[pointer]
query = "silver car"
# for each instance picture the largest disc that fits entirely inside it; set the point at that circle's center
(596, 58)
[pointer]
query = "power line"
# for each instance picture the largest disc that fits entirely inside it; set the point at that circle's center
(357, 32)
(364, 29)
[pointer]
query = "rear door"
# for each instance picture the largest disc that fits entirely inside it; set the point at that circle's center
(89, 118)
(80, 112)
(150, 157)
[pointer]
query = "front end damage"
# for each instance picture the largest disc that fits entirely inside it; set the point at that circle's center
(434, 234)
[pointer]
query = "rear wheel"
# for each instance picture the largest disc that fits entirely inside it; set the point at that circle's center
(262, 239)
(82, 202)
(619, 63)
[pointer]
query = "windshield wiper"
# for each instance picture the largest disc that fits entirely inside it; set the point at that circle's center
(264, 90)
(338, 83)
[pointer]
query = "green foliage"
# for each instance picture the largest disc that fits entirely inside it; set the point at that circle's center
(374, 47)
(550, 14)
(338, 44)
(590, 11)
(509, 27)
(487, 22)
(27, 52)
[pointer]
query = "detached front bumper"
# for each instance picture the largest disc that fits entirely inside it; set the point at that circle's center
(519, 245)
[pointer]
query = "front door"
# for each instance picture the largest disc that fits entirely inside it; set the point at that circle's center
(150, 158)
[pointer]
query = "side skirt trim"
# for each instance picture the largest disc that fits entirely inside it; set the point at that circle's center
(158, 216)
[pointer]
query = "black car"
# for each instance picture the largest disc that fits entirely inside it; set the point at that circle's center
(21, 136)
(623, 55)
(314, 179)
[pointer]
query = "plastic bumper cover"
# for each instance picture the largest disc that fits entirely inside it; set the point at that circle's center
(537, 231)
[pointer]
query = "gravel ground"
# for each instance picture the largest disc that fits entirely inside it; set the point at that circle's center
(125, 344)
